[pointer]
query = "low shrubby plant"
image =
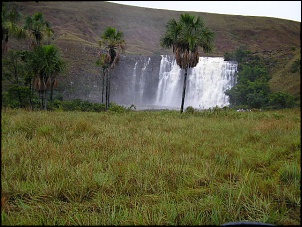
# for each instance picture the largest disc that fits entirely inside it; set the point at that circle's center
(190, 110)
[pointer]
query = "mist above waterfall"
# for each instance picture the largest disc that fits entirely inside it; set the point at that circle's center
(157, 83)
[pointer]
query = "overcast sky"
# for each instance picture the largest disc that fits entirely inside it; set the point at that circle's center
(289, 10)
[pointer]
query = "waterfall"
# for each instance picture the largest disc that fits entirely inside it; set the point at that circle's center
(138, 82)
(206, 83)
(134, 83)
(156, 82)
(168, 89)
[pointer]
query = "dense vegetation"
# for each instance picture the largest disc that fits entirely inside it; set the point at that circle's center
(252, 89)
(32, 70)
(37, 69)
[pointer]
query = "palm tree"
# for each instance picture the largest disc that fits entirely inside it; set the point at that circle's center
(46, 63)
(9, 21)
(55, 67)
(38, 28)
(186, 37)
(112, 44)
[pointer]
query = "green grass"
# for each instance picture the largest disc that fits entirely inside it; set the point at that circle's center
(150, 168)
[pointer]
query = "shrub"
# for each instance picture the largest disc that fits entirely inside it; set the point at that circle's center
(256, 100)
(228, 56)
(19, 95)
(116, 108)
(80, 105)
(281, 100)
(296, 66)
(56, 104)
(190, 110)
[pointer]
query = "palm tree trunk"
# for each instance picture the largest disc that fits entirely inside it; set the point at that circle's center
(106, 105)
(18, 87)
(51, 90)
(184, 91)
(4, 42)
(30, 95)
(20, 98)
(103, 85)
(108, 89)
(42, 100)
(45, 100)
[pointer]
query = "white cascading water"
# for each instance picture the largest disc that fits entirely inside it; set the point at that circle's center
(133, 83)
(168, 90)
(206, 83)
(138, 83)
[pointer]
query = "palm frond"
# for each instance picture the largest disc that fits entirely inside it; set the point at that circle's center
(185, 36)
(112, 43)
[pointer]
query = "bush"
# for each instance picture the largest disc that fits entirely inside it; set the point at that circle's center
(296, 66)
(116, 108)
(70, 105)
(256, 100)
(190, 110)
(281, 100)
(252, 89)
(228, 56)
(79, 105)
(18, 95)
(55, 105)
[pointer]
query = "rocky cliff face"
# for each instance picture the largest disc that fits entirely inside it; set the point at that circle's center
(134, 79)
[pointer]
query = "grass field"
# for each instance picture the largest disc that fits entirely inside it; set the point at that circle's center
(150, 168)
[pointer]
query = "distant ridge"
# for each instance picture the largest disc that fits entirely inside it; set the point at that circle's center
(78, 25)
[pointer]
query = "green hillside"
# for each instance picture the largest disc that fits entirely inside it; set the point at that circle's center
(78, 26)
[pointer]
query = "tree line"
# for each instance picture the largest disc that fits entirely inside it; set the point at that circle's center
(33, 74)
(32, 70)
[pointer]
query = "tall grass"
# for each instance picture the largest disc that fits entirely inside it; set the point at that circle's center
(150, 168)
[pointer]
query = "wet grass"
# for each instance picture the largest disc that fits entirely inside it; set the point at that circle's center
(150, 168)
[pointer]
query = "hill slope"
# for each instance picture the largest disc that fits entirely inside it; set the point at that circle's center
(85, 21)
(78, 26)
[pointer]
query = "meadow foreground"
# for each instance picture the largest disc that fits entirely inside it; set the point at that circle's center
(150, 168)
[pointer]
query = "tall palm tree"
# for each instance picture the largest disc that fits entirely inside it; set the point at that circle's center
(10, 28)
(186, 37)
(38, 27)
(112, 43)
(46, 63)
